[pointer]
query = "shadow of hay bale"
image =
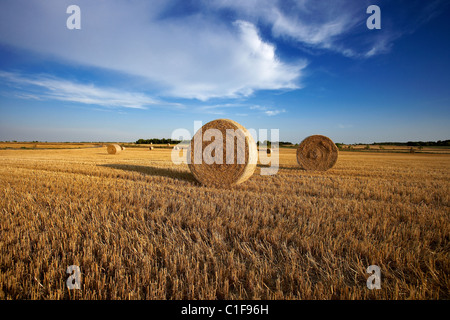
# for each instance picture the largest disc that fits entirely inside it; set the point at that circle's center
(294, 167)
(154, 171)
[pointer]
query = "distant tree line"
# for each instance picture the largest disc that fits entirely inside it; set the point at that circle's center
(157, 141)
(269, 143)
(439, 143)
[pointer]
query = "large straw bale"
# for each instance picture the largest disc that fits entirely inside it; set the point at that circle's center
(235, 164)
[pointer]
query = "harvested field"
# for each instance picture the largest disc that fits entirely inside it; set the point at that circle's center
(140, 227)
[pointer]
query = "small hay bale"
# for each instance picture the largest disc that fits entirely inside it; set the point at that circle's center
(411, 150)
(122, 147)
(268, 150)
(176, 148)
(150, 148)
(317, 153)
(113, 148)
(242, 154)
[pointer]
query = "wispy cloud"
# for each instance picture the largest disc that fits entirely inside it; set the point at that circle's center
(45, 87)
(318, 24)
(274, 112)
(237, 109)
(267, 111)
(337, 25)
(217, 109)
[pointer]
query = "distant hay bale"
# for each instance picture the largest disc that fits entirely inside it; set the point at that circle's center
(168, 144)
(122, 147)
(268, 150)
(411, 150)
(176, 148)
(150, 148)
(317, 153)
(113, 148)
(230, 166)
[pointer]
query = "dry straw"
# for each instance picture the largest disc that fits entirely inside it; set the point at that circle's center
(242, 158)
(113, 148)
(317, 153)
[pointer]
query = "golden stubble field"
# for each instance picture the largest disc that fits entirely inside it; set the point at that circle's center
(140, 227)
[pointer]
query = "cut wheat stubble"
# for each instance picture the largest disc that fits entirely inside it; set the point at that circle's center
(317, 153)
(234, 165)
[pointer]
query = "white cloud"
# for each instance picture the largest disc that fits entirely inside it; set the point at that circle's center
(192, 56)
(218, 109)
(266, 110)
(199, 55)
(237, 108)
(274, 112)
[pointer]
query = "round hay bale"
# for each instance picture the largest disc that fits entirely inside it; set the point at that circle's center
(150, 148)
(122, 147)
(113, 148)
(268, 150)
(212, 163)
(317, 153)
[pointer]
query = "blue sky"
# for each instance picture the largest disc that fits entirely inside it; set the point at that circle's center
(141, 69)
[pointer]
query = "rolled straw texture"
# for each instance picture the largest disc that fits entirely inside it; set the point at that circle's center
(235, 165)
(317, 153)
(113, 148)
